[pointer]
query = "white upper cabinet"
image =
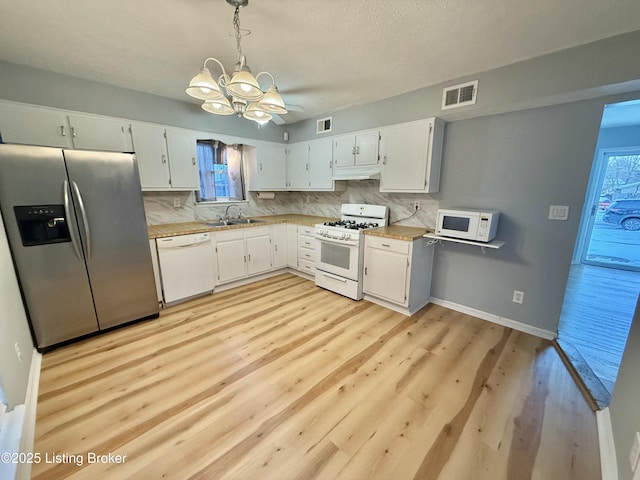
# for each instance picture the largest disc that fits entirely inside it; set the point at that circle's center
(167, 157)
(310, 165)
(182, 150)
(151, 152)
(411, 156)
(100, 133)
(29, 125)
(320, 165)
(356, 150)
(268, 167)
(33, 125)
(298, 166)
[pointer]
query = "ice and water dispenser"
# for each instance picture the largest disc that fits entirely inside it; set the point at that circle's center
(42, 224)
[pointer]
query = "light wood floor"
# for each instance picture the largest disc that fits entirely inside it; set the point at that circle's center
(283, 380)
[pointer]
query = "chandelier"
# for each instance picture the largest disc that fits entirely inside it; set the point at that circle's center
(239, 93)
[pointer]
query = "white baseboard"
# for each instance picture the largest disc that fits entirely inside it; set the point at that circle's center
(23, 472)
(505, 322)
(608, 461)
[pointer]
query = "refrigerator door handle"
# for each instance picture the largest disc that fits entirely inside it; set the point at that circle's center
(85, 222)
(67, 213)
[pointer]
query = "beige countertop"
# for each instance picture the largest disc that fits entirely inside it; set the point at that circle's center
(186, 228)
(399, 232)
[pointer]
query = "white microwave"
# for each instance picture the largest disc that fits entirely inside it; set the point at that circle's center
(476, 225)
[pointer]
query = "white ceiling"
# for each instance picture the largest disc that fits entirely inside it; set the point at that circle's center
(324, 54)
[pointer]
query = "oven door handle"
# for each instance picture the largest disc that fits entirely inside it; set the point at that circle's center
(337, 241)
(335, 277)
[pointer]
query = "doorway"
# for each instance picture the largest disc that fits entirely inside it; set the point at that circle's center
(604, 278)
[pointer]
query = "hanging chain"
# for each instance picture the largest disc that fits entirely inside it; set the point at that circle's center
(236, 27)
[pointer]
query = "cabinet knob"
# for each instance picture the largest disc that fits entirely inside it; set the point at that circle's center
(193, 160)
(73, 132)
(63, 131)
(164, 159)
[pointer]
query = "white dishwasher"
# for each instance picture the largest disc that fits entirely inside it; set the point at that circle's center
(186, 265)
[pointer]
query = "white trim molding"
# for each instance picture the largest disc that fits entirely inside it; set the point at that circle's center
(608, 461)
(505, 322)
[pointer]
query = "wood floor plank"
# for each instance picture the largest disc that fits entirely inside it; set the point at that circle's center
(283, 380)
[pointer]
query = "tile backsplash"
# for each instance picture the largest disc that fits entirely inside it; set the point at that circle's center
(159, 206)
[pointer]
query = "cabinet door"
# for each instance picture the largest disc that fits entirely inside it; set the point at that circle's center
(298, 166)
(151, 152)
(344, 151)
(292, 246)
(28, 125)
(367, 148)
(258, 254)
(386, 274)
(404, 158)
(98, 133)
(232, 260)
(320, 164)
(279, 246)
(182, 149)
(272, 167)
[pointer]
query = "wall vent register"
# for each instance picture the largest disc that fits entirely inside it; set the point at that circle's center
(459, 95)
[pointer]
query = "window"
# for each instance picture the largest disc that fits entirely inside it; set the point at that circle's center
(221, 173)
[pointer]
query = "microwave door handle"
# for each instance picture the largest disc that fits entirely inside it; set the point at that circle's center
(67, 214)
(85, 221)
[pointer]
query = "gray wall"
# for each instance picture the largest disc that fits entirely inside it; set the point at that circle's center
(625, 414)
(40, 87)
(14, 374)
(518, 163)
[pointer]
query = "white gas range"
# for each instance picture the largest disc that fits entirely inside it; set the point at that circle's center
(340, 250)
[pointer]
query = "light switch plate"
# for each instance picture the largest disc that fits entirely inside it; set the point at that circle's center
(558, 212)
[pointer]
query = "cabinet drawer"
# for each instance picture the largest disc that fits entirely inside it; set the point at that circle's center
(305, 241)
(306, 254)
(308, 267)
(305, 231)
(398, 246)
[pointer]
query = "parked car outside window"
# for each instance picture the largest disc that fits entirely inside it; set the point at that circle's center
(625, 213)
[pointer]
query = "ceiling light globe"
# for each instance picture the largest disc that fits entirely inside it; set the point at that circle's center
(203, 86)
(218, 107)
(256, 114)
(272, 102)
(244, 85)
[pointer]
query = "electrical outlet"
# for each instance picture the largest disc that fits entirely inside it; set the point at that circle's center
(518, 296)
(635, 452)
(307, 199)
(416, 205)
(18, 352)
(176, 202)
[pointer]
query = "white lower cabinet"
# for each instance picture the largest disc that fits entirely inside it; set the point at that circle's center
(397, 273)
(279, 251)
(306, 250)
(242, 253)
(292, 245)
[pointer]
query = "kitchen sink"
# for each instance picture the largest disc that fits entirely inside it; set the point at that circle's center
(237, 221)
(241, 221)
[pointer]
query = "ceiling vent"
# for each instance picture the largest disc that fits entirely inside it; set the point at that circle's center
(324, 125)
(459, 95)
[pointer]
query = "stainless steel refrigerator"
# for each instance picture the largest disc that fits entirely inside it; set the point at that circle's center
(77, 231)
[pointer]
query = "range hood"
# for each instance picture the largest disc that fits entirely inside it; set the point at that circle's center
(356, 174)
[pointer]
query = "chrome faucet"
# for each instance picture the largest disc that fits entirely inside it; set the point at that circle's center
(226, 212)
